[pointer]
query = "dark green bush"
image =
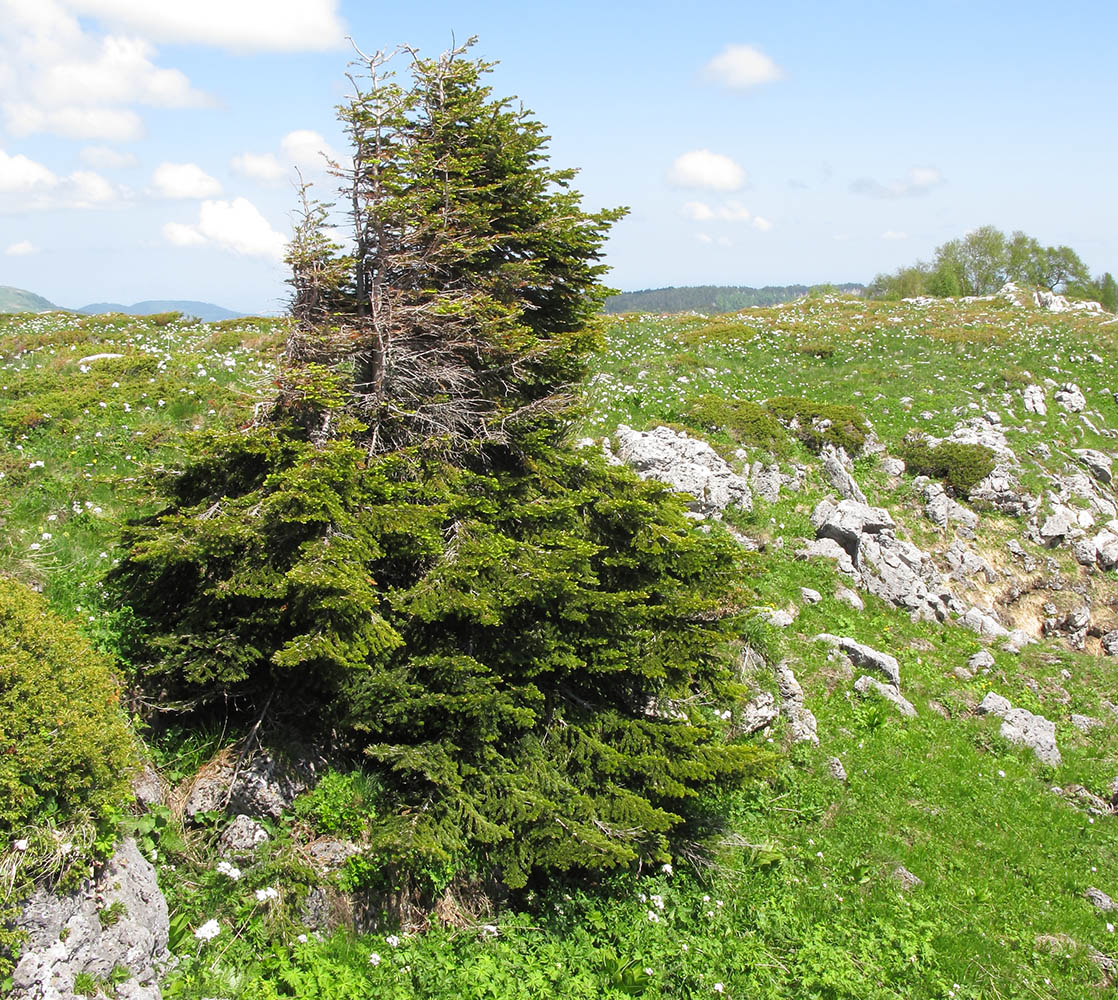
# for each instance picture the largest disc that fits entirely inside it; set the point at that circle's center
(65, 747)
(747, 423)
(817, 424)
(961, 466)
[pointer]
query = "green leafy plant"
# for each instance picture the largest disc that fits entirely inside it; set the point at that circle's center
(961, 466)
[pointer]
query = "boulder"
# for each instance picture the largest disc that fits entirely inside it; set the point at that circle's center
(118, 921)
(1071, 397)
(1109, 643)
(836, 468)
(759, 713)
(866, 684)
(1085, 723)
(942, 510)
(967, 565)
(849, 597)
(1023, 727)
(266, 785)
(1001, 492)
(686, 465)
(766, 481)
(810, 596)
(865, 657)
(241, 837)
(1034, 400)
(1100, 900)
(848, 521)
(835, 768)
(1098, 464)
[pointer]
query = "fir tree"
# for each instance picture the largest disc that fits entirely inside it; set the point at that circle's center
(527, 645)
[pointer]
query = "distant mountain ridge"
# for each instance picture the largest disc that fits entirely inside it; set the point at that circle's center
(19, 300)
(205, 311)
(712, 298)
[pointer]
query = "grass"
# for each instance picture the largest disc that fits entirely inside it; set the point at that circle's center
(800, 900)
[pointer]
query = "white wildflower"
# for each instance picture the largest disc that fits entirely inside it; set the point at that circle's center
(375, 959)
(265, 894)
(392, 941)
(230, 871)
(208, 931)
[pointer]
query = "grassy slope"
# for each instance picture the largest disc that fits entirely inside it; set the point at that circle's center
(809, 905)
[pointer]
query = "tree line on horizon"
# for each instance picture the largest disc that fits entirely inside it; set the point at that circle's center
(714, 298)
(983, 260)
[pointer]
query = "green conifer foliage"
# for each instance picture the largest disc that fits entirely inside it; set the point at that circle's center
(527, 645)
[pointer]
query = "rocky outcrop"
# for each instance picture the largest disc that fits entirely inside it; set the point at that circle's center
(866, 684)
(864, 543)
(266, 785)
(1023, 727)
(1034, 400)
(686, 465)
(865, 657)
(837, 468)
(118, 921)
(943, 510)
(1000, 491)
(1071, 398)
(1099, 464)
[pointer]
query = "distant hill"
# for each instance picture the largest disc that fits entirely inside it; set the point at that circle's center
(19, 300)
(711, 298)
(205, 311)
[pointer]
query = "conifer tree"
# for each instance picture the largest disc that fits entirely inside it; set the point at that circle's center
(527, 645)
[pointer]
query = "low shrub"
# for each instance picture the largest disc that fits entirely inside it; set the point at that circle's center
(817, 424)
(746, 422)
(66, 746)
(961, 466)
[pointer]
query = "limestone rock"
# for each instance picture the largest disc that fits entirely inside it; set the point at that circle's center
(906, 879)
(241, 837)
(1098, 464)
(982, 660)
(984, 622)
(265, 786)
(1106, 549)
(65, 935)
(893, 466)
(1109, 643)
(837, 771)
(801, 721)
(759, 713)
(942, 510)
(1000, 490)
(1034, 400)
(1071, 397)
(1085, 723)
(835, 467)
(1100, 900)
(966, 564)
(849, 597)
(848, 522)
(1023, 727)
(766, 481)
(686, 465)
(810, 596)
(865, 657)
(866, 684)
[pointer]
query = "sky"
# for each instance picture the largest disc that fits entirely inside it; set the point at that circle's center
(148, 150)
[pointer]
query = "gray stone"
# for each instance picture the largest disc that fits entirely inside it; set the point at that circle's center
(847, 523)
(1085, 723)
(893, 466)
(865, 657)
(1058, 525)
(982, 660)
(810, 596)
(968, 565)
(1033, 731)
(1106, 549)
(1100, 465)
(835, 462)
(1000, 490)
(942, 510)
(1034, 400)
(801, 722)
(685, 465)
(984, 623)
(266, 785)
(1017, 640)
(777, 617)
(906, 878)
(1071, 397)
(65, 935)
(760, 712)
(148, 787)
(1100, 900)
(849, 597)
(828, 548)
(1085, 552)
(835, 768)
(328, 854)
(866, 684)
(766, 481)
(241, 837)
(994, 704)
(1109, 643)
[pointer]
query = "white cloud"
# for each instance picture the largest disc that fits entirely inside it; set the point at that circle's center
(919, 180)
(741, 67)
(704, 238)
(236, 226)
(731, 211)
(277, 25)
(70, 79)
(24, 248)
(183, 180)
(26, 185)
(308, 150)
(701, 168)
(892, 234)
(762, 224)
(18, 174)
(258, 167)
(107, 158)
